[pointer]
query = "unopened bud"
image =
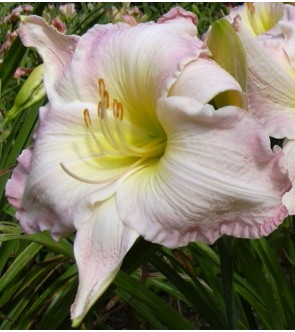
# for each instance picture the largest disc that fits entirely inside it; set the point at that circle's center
(228, 51)
(31, 92)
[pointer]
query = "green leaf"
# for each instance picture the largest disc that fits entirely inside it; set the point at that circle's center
(19, 265)
(226, 264)
(16, 52)
(163, 311)
(196, 292)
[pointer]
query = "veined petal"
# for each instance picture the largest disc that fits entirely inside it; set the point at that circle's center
(203, 186)
(270, 88)
(274, 46)
(56, 50)
(15, 186)
(203, 80)
(289, 197)
(33, 215)
(100, 246)
(288, 29)
(138, 64)
(68, 174)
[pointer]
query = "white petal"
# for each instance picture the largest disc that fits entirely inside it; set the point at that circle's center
(100, 246)
(203, 80)
(138, 64)
(56, 50)
(270, 89)
(288, 28)
(218, 176)
(63, 138)
(289, 197)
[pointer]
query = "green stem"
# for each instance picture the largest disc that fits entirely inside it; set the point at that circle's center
(226, 264)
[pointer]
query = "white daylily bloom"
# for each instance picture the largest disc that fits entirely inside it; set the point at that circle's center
(128, 145)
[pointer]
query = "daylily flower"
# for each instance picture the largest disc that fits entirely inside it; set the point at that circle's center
(267, 31)
(129, 145)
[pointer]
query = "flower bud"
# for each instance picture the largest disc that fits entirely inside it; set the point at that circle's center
(228, 51)
(31, 92)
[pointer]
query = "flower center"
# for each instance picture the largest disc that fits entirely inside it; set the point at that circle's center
(118, 140)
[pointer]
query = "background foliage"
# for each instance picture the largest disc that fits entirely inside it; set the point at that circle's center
(232, 284)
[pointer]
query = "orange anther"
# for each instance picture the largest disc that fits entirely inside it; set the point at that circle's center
(101, 87)
(100, 110)
(106, 100)
(115, 107)
(120, 112)
(251, 7)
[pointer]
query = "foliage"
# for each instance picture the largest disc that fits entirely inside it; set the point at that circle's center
(233, 284)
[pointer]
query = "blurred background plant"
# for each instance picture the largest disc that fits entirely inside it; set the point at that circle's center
(235, 283)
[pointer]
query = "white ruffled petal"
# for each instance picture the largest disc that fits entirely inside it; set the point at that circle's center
(218, 176)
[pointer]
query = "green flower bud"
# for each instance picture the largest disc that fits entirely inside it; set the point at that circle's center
(31, 92)
(228, 51)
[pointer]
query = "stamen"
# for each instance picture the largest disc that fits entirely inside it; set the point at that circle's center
(101, 87)
(115, 108)
(106, 100)
(120, 112)
(113, 178)
(87, 119)
(113, 142)
(100, 110)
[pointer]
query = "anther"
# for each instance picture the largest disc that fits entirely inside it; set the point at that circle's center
(106, 99)
(251, 7)
(87, 119)
(100, 110)
(115, 108)
(120, 112)
(101, 87)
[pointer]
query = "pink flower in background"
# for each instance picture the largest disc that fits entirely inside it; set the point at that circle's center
(16, 12)
(128, 145)
(20, 72)
(130, 15)
(68, 10)
(10, 37)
